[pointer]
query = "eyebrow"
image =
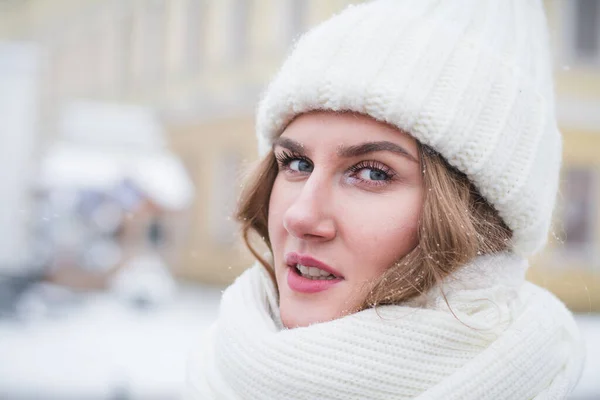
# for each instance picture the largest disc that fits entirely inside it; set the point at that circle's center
(372, 147)
(289, 144)
(349, 151)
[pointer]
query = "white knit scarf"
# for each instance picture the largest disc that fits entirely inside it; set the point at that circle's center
(504, 339)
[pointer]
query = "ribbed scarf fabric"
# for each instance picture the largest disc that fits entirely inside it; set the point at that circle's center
(504, 338)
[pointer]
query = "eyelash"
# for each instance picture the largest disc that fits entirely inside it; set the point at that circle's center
(375, 166)
(285, 158)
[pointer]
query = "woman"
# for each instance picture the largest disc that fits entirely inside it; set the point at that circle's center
(411, 160)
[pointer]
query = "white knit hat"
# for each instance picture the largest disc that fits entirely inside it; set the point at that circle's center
(470, 78)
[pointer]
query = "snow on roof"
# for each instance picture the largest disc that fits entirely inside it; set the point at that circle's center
(103, 144)
(160, 175)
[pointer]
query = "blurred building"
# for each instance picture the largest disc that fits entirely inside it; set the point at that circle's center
(203, 64)
(570, 267)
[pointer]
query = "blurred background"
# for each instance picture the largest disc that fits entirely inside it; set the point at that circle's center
(125, 126)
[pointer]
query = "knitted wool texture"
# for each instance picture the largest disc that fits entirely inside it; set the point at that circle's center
(469, 78)
(507, 339)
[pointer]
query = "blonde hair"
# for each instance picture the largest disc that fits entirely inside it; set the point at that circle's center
(456, 225)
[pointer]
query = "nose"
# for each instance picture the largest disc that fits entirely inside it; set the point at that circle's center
(310, 217)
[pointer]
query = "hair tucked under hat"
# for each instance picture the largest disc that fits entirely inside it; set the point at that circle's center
(469, 78)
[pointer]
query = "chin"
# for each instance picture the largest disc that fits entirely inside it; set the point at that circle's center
(299, 316)
(292, 322)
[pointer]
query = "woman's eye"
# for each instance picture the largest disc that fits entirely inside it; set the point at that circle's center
(292, 162)
(300, 166)
(371, 174)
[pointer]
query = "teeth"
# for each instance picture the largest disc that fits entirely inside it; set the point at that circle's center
(313, 273)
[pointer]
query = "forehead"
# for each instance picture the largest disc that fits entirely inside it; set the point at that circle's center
(335, 129)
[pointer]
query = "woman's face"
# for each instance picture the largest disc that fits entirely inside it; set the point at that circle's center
(344, 207)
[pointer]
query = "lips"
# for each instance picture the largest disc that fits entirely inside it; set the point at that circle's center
(292, 259)
(307, 285)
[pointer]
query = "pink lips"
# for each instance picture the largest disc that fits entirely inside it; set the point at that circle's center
(298, 283)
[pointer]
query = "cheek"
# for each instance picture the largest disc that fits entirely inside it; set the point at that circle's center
(385, 230)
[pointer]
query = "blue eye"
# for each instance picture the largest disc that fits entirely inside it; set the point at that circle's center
(372, 173)
(369, 174)
(294, 162)
(300, 165)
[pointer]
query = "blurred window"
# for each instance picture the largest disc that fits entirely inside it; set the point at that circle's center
(224, 183)
(586, 24)
(239, 29)
(195, 29)
(92, 72)
(154, 39)
(298, 11)
(580, 209)
(124, 50)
